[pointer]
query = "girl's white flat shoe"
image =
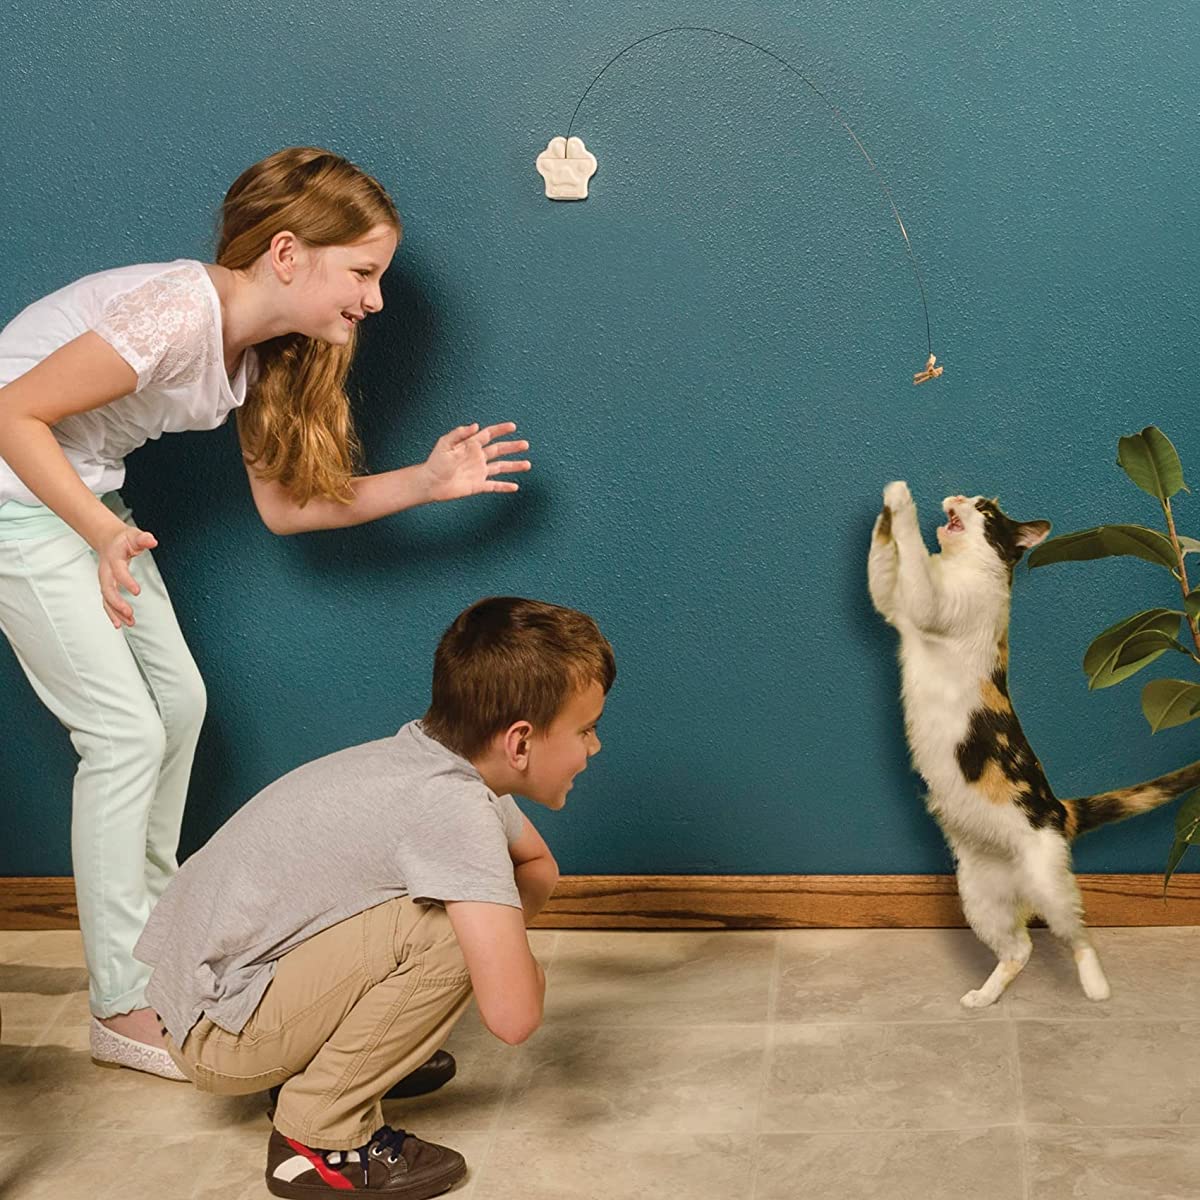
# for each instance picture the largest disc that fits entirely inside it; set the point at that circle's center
(111, 1049)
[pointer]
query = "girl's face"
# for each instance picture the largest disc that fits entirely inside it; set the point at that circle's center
(336, 287)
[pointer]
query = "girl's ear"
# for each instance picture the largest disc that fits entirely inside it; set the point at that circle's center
(282, 255)
(1031, 533)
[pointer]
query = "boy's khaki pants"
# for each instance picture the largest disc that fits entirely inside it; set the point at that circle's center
(348, 1013)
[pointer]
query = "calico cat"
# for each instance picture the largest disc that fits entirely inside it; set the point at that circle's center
(1010, 834)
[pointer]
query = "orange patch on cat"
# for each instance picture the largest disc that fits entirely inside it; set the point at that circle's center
(1072, 824)
(993, 697)
(996, 786)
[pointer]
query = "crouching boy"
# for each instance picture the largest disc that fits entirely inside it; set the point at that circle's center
(332, 932)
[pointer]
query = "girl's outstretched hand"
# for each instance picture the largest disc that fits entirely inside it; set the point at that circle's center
(465, 461)
(115, 557)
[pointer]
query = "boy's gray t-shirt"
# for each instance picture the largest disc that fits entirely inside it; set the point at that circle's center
(402, 816)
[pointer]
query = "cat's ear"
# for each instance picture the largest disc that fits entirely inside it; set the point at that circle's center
(1031, 533)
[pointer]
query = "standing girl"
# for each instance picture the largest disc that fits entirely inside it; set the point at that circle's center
(88, 374)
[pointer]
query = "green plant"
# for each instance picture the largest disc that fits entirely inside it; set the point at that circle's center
(1151, 461)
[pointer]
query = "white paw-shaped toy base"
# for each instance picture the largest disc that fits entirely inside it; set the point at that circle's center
(566, 166)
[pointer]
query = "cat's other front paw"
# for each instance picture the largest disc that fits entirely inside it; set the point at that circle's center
(1091, 975)
(979, 998)
(897, 496)
(883, 526)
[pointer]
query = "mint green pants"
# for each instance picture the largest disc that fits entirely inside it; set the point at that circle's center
(133, 701)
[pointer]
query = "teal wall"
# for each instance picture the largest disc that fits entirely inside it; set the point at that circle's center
(711, 357)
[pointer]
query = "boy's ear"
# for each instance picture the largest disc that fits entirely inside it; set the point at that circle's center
(517, 738)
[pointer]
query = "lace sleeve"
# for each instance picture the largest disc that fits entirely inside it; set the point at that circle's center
(162, 328)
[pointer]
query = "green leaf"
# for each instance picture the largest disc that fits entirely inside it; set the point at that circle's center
(1187, 818)
(1170, 702)
(1178, 849)
(1108, 541)
(1192, 602)
(1149, 459)
(1107, 661)
(1144, 648)
(1187, 830)
(1188, 545)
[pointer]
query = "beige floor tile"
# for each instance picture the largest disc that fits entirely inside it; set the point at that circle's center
(892, 1165)
(1154, 973)
(1110, 1073)
(701, 1079)
(472, 1099)
(543, 943)
(661, 978)
(62, 946)
(657, 1060)
(40, 971)
(617, 1166)
(55, 1086)
(881, 975)
(76, 1166)
(1113, 1164)
(903, 1076)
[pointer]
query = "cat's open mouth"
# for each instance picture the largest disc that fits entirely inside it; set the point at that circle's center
(953, 525)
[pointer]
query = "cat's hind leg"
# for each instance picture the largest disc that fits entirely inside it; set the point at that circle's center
(987, 887)
(1049, 884)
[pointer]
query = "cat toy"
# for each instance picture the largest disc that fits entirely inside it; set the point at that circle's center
(567, 164)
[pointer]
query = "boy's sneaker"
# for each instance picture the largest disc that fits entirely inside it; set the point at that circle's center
(393, 1163)
(435, 1072)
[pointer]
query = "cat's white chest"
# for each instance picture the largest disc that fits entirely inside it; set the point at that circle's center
(939, 698)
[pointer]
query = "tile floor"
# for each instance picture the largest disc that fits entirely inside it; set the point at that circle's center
(798, 1065)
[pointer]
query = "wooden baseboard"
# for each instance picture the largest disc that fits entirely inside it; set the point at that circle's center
(734, 902)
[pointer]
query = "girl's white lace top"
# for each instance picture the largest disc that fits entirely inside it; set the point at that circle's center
(164, 320)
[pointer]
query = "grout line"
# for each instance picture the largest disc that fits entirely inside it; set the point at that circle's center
(506, 1094)
(963, 1022)
(767, 1059)
(1022, 1127)
(43, 1030)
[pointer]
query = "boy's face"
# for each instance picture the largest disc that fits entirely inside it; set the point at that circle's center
(559, 753)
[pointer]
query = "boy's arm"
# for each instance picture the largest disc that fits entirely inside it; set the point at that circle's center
(534, 869)
(508, 981)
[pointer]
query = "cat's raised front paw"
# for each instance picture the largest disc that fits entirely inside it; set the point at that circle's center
(896, 495)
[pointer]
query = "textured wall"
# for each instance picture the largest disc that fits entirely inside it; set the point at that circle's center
(710, 356)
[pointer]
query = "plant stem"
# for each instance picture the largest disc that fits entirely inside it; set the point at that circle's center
(1183, 579)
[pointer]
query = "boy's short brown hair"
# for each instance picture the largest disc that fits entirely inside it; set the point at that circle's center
(506, 659)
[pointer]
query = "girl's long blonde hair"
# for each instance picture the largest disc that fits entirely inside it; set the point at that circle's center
(295, 425)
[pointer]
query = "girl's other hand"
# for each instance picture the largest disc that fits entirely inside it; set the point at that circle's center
(115, 575)
(465, 460)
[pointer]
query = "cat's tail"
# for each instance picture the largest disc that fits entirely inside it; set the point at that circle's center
(1088, 812)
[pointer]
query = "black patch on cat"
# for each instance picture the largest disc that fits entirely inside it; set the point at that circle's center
(1000, 681)
(1001, 532)
(1092, 811)
(996, 736)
